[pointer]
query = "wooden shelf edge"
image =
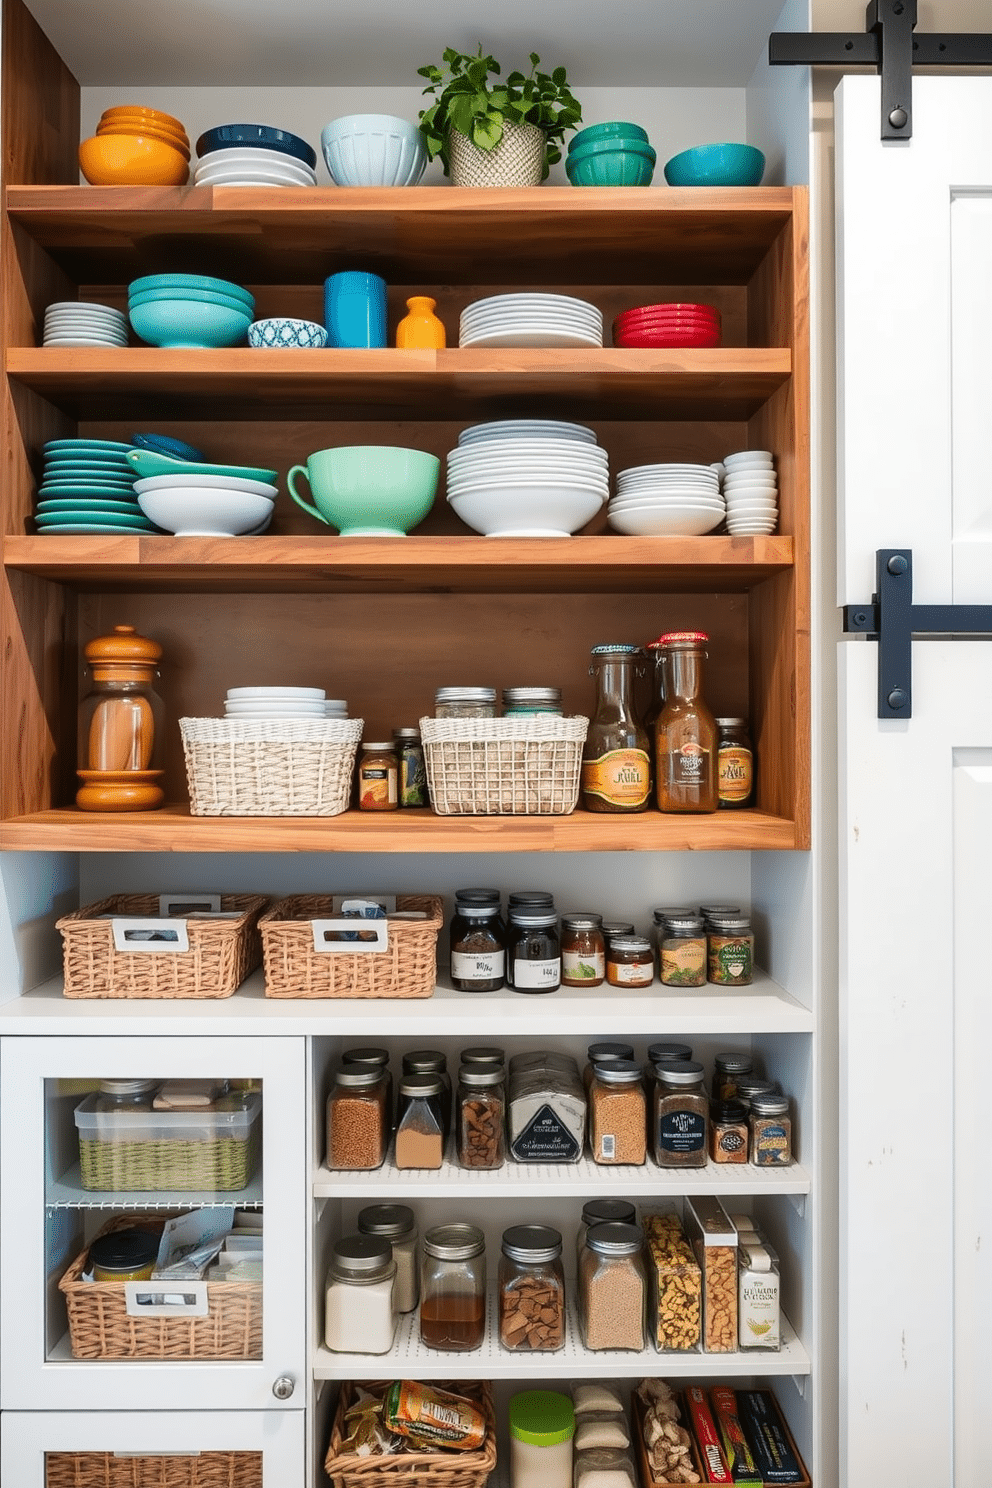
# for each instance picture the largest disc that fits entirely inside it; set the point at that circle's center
(174, 830)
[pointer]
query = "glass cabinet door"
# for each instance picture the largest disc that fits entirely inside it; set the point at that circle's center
(153, 1223)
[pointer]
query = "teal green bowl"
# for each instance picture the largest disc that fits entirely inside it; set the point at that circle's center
(716, 165)
(613, 129)
(607, 146)
(191, 281)
(368, 490)
(198, 296)
(612, 168)
(189, 323)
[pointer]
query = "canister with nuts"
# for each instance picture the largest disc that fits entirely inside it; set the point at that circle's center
(531, 1289)
(675, 1285)
(714, 1241)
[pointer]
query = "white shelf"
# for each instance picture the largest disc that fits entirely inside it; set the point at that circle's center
(408, 1358)
(68, 1192)
(761, 1008)
(560, 1180)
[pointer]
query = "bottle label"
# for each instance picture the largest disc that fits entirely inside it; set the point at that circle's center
(622, 777)
(583, 966)
(377, 787)
(545, 974)
(684, 963)
(689, 766)
(682, 1131)
(732, 1141)
(734, 766)
(546, 1138)
(607, 1147)
(477, 966)
(413, 778)
(631, 973)
(730, 962)
(771, 1144)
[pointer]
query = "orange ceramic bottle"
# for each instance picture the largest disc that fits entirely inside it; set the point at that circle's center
(421, 327)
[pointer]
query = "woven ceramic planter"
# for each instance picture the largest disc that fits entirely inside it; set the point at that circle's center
(518, 159)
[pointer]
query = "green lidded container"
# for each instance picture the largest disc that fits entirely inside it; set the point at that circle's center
(542, 1424)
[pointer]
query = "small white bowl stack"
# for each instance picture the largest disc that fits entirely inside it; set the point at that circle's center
(282, 702)
(750, 488)
(527, 478)
(207, 505)
(80, 323)
(530, 320)
(667, 500)
(242, 166)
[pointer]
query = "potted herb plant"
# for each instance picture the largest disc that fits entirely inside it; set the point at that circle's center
(495, 133)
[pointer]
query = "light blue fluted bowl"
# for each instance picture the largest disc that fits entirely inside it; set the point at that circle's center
(188, 323)
(716, 165)
(373, 150)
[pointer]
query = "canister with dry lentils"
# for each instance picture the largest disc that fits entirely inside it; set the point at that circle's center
(358, 1118)
(612, 1287)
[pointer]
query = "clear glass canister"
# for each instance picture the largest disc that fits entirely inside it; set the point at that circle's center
(735, 764)
(680, 1115)
(617, 1113)
(729, 1133)
(534, 950)
(616, 757)
(531, 1289)
(685, 733)
(125, 1095)
(378, 778)
(358, 1118)
(478, 946)
(453, 1288)
(374, 1058)
(413, 772)
(397, 1224)
(420, 1135)
(728, 1068)
(121, 724)
(602, 1211)
(432, 1062)
(771, 1131)
(360, 1312)
(519, 702)
(480, 1116)
(629, 961)
(730, 958)
(682, 950)
(465, 702)
(583, 950)
(604, 1051)
(612, 1287)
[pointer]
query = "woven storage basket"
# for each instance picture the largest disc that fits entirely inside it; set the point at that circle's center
(154, 1163)
(294, 968)
(221, 952)
(503, 766)
(104, 1470)
(100, 1328)
(269, 767)
(409, 1470)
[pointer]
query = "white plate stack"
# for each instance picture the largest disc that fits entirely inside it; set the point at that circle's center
(242, 166)
(667, 500)
(79, 323)
(282, 702)
(750, 488)
(527, 478)
(531, 320)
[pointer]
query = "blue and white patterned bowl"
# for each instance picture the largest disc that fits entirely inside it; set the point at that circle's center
(281, 331)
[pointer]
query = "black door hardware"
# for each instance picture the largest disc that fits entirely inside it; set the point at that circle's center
(889, 43)
(893, 621)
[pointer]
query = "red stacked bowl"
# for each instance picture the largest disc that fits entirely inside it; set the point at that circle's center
(671, 325)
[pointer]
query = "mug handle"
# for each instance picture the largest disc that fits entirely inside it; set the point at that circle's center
(299, 499)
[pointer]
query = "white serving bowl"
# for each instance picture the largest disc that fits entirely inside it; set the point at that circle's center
(205, 511)
(212, 482)
(560, 510)
(661, 522)
(741, 459)
(373, 150)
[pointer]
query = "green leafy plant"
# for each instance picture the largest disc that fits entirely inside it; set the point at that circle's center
(466, 100)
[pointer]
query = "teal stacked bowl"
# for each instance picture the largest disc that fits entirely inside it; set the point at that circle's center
(716, 165)
(611, 160)
(189, 310)
(613, 129)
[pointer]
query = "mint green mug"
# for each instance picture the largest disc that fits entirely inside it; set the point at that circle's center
(369, 490)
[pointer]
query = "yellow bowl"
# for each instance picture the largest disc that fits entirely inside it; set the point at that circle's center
(143, 131)
(139, 124)
(155, 116)
(131, 160)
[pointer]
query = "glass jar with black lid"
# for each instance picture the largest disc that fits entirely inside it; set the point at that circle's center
(531, 1289)
(533, 947)
(680, 1115)
(478, 942)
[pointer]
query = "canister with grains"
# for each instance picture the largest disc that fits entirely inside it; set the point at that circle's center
(376, 1058)
(680, 1115)
(617, 1113)
(358, 1120)
(604, 1052)
(612, 1287)
(397, 1224)
(714, 1242)
(603, 1211)
(531, 1289)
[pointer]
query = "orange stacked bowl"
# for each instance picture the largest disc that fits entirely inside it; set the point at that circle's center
(135, 146)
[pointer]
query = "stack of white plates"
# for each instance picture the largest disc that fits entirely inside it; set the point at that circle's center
(532, 484)
(526, 428)
(667, 500)
(240, 166)
(282, 702)
(531, 320)
(78, 323)
(750, 488)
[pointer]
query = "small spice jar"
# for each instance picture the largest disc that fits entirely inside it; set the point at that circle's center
(453, 1288)
(729, 1132)
(531, 1296)
(680, 1115)
(123, 1255)
(358, 1119)
(420, 1122)
(682, 951)
(378, 778)
(735, 764)
(534, 950)
(465, 702)
(480, 1116)
(397, 1224)
(730, 942)
(612, 1287)
(771, 1131)
(360, 1312)
(583, 950)
(728, 1068)
(748, 1086)
(629, 961)
(478, 942)
(542, 1425)
(432, 1062)
(617, 1113)
(521, 702)
(413, 772)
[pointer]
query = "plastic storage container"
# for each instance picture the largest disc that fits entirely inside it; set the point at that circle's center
(124, 1151)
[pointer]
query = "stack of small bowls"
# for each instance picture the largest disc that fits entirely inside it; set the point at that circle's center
(282, 702)
(195, 500)
(254, 155)
(373, 150)
(667, 500)
(527, 478)
(136, 146)
(668, 325)
(79, 323)
(750, 489)
(189, 310)
(88, 486)
(611, 154)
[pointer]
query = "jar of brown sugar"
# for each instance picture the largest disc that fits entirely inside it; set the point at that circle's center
(617, 1113)
(420, 1122)
(729, 1132)
(629, 961)
(531, 1289)
(358, 1119)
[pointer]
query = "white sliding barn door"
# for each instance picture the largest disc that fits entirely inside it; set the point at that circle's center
(915, 445)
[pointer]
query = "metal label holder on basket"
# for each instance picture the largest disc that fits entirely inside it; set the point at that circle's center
(155, 936)
(323, 928)
(182, 1299)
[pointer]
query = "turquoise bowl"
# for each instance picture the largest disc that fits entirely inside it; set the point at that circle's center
(614, 168)
(368, 490)
(189, 323)
(198, 296)
(613, 129)
(716, 165)
(191, 281)
(607, 146)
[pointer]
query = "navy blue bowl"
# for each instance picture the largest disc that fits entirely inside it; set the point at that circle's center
(258, 137)
(164, 444)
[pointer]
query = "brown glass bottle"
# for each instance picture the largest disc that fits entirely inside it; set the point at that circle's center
(616, 760)
(686, 733)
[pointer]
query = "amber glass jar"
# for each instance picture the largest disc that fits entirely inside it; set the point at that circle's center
(629, 961)
(685, 734)
(121, 724)
(735, 764)
(583, 950)
(616, 759)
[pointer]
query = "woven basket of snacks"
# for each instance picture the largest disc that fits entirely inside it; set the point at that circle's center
(350, 1464)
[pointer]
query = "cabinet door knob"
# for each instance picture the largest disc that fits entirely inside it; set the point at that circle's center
(284, 1387)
